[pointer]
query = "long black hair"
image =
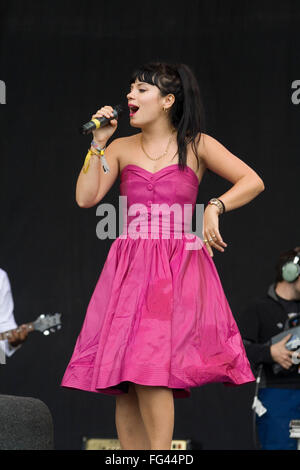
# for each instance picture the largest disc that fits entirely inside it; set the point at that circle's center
(187, 112)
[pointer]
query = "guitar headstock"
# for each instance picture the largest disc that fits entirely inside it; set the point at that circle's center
(48, 323)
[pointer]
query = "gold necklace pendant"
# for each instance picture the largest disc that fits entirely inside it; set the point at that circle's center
(165, 152)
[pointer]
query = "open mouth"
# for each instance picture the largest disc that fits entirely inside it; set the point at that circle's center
(133, 110)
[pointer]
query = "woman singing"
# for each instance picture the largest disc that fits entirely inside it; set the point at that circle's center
(158, 321)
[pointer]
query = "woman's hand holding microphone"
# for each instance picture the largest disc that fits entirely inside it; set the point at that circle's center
(100, 137)
(102, 134)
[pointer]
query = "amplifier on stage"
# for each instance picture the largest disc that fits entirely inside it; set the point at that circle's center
(295, 431)
(94, 443)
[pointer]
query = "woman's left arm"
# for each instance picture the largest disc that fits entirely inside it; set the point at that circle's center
(246, 182)
(246, 186)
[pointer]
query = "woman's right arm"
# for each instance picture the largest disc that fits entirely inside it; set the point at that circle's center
(93, 184)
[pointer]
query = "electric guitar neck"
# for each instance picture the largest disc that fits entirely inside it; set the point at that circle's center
(46, 324)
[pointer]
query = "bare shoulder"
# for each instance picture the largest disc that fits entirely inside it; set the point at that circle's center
(130, 139)
(122, 143)
(210, 149)
(116, 145)
(123, 140)
(205, 140)
(127, 148)
(222, 161)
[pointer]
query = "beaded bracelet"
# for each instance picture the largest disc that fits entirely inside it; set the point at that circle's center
(97, 146)
(99, 152)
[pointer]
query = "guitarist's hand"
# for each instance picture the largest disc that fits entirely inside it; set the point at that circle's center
(18, 336)
(281, 354)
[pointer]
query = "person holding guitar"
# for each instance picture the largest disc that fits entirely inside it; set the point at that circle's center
(266, 317)
(15, 335)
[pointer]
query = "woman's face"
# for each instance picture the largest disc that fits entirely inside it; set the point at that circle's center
(149, 101)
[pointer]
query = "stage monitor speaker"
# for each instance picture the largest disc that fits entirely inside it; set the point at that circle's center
(25, 424)
(94, 443)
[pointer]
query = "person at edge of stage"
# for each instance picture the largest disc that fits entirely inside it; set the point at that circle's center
(265, 317)
(17, 335)
(150, 286)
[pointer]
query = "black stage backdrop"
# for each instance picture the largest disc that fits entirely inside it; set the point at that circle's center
(60, 62)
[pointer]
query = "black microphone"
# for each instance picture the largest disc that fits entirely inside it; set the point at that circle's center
(101, 121)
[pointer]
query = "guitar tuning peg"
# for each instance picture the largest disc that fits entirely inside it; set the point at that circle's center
(52, 330)
(46, 332)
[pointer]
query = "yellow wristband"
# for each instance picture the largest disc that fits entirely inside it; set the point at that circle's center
(98, 154)
(87, 162)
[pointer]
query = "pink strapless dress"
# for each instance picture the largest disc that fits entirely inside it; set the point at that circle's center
(158, 314)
